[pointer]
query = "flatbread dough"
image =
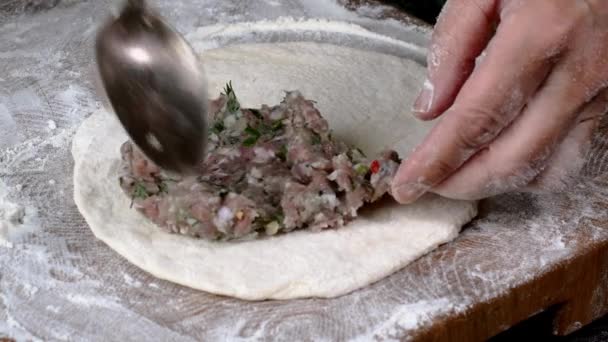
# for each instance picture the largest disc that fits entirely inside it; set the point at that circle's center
(365, 97)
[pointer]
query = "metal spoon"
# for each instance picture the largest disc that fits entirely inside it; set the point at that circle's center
(156, 86)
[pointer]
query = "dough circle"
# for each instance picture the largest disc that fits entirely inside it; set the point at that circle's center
(365, 96)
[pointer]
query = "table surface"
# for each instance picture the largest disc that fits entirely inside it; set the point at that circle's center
(524, 253)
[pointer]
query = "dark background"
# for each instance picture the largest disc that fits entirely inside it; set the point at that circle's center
(426, 10)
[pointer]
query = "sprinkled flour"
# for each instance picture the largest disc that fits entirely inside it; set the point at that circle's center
(16, 220)
(213, 36)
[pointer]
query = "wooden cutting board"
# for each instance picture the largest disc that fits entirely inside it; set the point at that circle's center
(522, 255)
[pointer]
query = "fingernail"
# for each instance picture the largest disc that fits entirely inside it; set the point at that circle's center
(409, 192)
(425, 100)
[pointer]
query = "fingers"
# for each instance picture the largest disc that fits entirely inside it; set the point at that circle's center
(461, 33)
(521, 154)
(565, 165)
(487, 103)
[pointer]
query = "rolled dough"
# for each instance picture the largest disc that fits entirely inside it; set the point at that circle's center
(366, 98)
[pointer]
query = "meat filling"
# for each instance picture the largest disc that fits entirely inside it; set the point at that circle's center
(267, 171)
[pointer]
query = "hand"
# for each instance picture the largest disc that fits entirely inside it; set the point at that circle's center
(518, 104)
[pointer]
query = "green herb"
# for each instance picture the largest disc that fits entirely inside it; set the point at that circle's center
(315, 139)
(218, 127)
(361, 169)
(252, 131)
(163, 188)
(254, 135)
(256, 113)
(263, 129)
(279, 217)
(232, 105)
(277, 125)
(273, 129)
(251, 141)
(282, 153)
(139, 191)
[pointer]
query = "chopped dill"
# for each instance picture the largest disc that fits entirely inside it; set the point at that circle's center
(139, 191)
(254, 135)
(232, 105)
(282, 152)
(218, 127)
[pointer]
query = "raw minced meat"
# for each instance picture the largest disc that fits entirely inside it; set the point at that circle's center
(267, 171)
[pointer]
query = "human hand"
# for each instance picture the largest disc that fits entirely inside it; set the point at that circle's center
(522, 115)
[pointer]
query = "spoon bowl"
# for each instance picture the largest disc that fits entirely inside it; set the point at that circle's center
(156, 85)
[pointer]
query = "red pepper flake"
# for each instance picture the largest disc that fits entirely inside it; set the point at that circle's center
(375, 166)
